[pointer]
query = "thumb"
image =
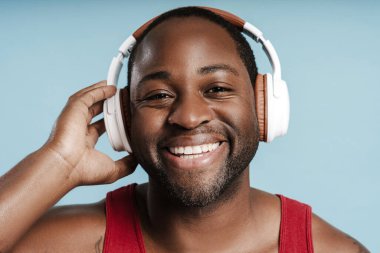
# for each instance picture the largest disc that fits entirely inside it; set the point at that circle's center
(125, 166)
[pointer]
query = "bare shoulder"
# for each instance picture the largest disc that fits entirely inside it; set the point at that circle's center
(74, 228)
(268, 217)
(327, 238)
(267, 204)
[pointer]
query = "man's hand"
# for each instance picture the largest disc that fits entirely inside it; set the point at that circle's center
(68, 159)
(74, 137)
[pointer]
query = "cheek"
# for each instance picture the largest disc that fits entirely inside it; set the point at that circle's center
(146, 126)
(239, 115)
(240, 119)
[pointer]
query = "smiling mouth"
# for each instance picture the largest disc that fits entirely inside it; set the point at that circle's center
(191, 152)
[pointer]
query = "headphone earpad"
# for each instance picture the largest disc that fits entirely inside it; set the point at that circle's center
(261, 105)
(124, 111)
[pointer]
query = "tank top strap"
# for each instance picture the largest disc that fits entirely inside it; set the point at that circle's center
(123, 231)
(295, 228)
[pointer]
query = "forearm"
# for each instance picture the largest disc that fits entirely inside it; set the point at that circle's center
(28, 190)
(68, 159)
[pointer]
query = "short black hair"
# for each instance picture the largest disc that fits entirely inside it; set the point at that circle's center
(242, 46)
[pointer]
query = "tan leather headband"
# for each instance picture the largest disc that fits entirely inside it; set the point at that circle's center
(235, 20)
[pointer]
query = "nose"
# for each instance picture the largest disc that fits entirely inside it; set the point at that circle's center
(190, 111)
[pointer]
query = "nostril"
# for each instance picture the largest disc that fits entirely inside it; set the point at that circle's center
(190, 112)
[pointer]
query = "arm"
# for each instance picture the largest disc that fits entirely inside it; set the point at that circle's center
(327, 238)
(74, 228)
(68, 159)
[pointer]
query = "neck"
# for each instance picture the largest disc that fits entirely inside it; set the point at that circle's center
(229, 213)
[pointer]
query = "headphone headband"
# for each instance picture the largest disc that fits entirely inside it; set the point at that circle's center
(246, 27)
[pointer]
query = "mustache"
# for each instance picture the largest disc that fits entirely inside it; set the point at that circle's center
(204, 130)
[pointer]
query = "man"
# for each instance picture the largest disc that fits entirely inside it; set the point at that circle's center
(190, 89)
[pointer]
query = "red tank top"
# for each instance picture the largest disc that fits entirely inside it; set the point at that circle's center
(123, 232)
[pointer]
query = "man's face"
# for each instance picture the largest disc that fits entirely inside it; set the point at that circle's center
(193, 123)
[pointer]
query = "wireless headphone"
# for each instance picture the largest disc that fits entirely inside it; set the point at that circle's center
(271, 92)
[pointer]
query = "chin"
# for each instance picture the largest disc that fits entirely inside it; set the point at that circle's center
(196, 188)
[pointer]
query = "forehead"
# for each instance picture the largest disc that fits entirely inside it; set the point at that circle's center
(183, 43)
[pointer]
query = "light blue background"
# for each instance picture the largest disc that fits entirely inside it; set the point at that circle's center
(329, 53)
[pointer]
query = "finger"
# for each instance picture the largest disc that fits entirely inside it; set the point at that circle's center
(95, 95)
(126, 166)
(95, 130)
(91, 87)
(94, 110)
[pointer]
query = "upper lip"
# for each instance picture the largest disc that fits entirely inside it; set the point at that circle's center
(192, 140)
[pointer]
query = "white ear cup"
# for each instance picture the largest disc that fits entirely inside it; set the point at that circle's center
(112, 108)
(277, 108)
(114, 124)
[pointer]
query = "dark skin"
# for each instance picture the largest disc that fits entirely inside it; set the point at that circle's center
(242, 219)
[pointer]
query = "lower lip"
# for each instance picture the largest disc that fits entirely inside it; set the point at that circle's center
(203, 161)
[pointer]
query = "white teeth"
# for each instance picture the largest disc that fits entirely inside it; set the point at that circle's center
(191, 156)
(188, 150)
(194, 151)
(179, 150)
(197, 150)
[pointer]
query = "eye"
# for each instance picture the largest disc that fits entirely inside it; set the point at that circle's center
(158, 96)
(217, 89)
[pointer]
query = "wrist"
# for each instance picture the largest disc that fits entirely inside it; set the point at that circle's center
(59, 164)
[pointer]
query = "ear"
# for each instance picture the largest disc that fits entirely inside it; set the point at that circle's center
(125, 107)
(261, 105)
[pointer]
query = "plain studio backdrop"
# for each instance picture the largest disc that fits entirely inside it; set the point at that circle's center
(329, 54)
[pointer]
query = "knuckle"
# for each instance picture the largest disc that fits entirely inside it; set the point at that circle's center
(92, 98)
(77, 103)
(74, 100)
(89, 99)
(91, 112)
(71, 98)
(82, 102)
(104, 95)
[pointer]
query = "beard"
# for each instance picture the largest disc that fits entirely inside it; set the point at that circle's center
(194, 188)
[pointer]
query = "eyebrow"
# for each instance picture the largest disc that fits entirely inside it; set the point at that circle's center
(217, 67)
(165, 75)
(159, 75)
